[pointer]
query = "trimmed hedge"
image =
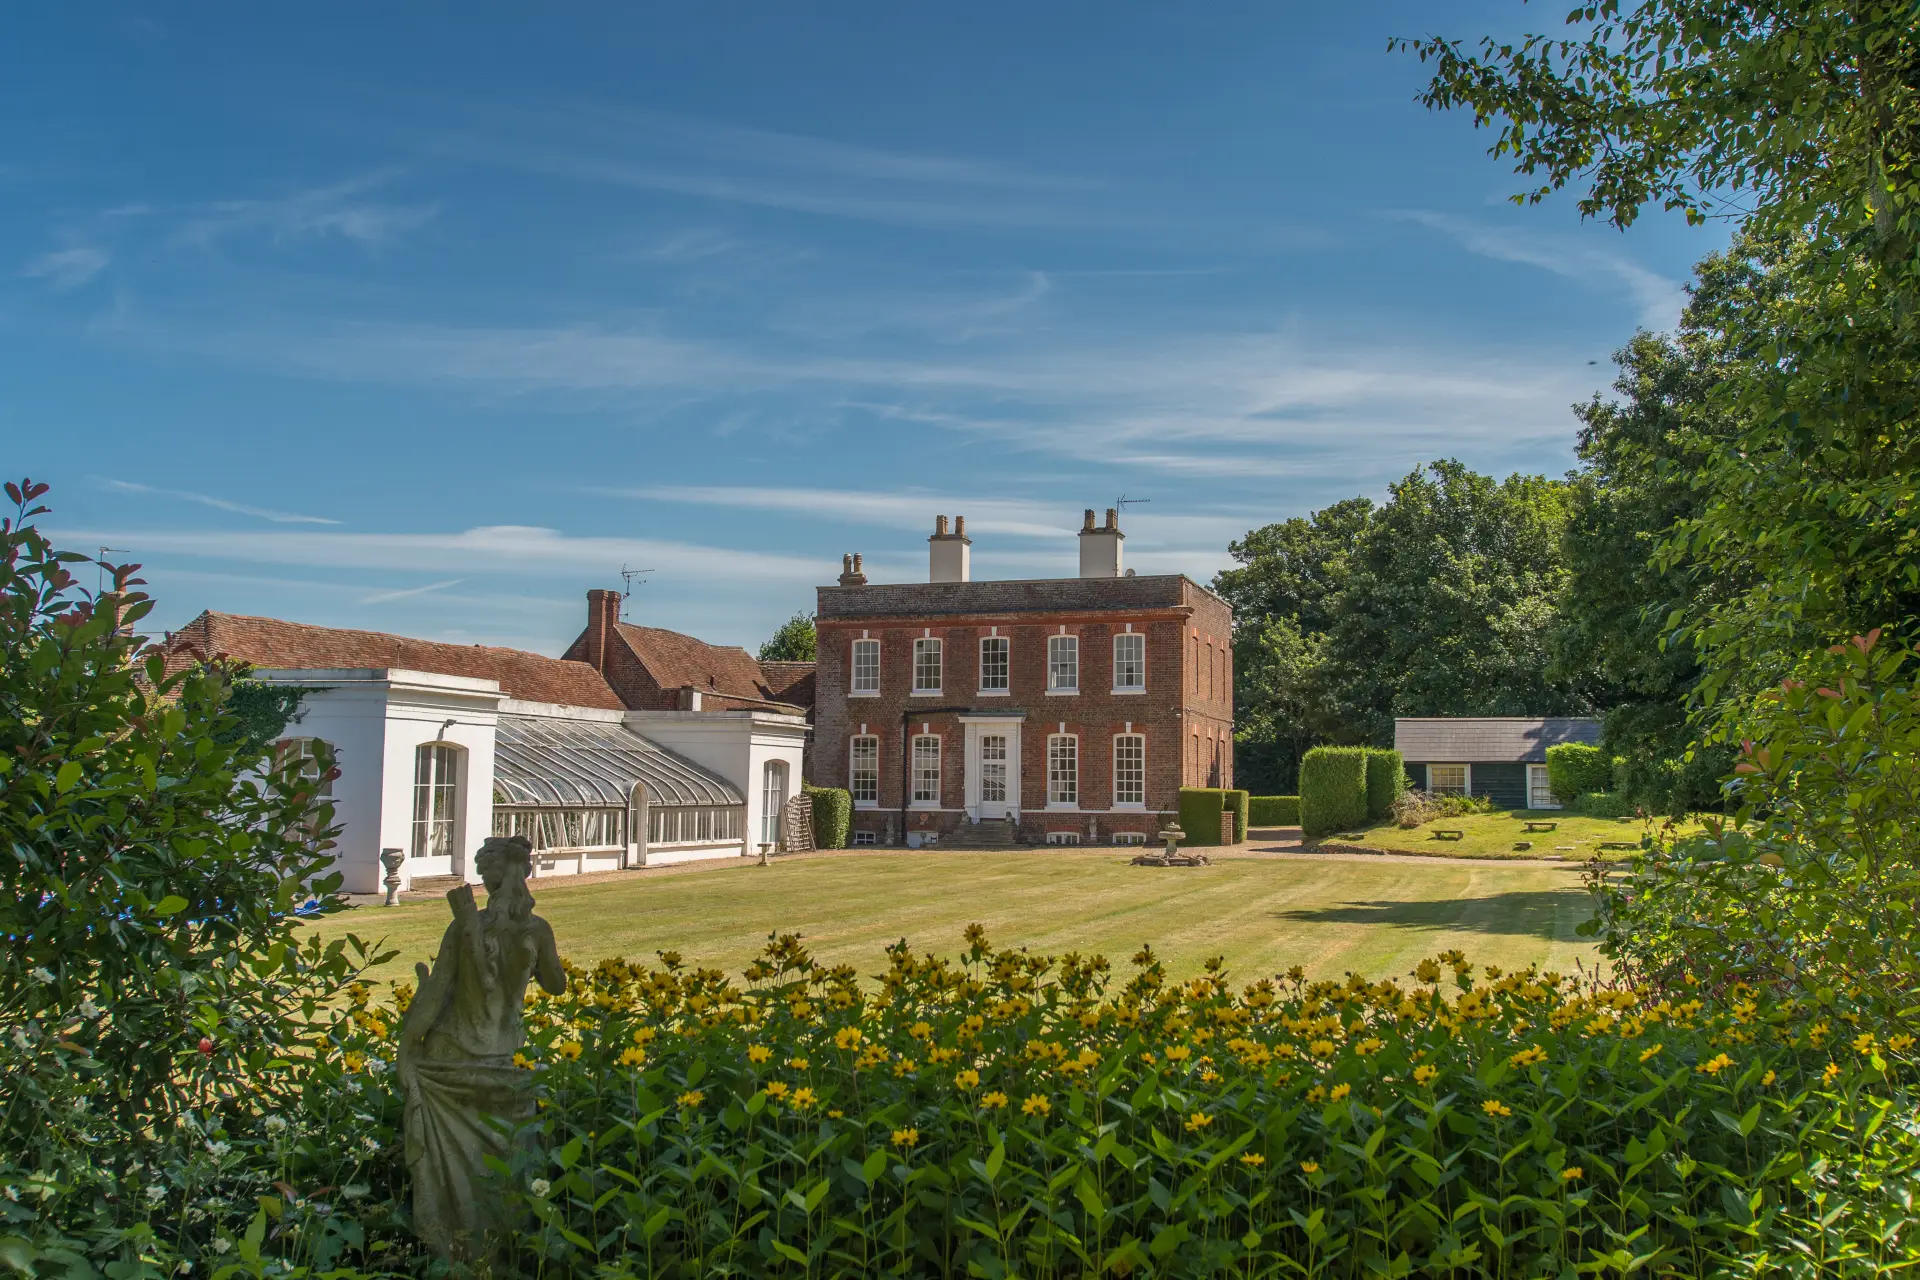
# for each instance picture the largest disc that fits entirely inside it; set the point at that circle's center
(1235, 802)
(1200, 812)
(832, 816)
(1602, 804)
(1386, 779)
(1273, 811)
(1333, 790)
(1575, 769)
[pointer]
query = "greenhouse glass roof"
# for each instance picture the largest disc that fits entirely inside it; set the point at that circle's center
(594, 764)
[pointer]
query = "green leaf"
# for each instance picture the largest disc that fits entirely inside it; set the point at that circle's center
(171, 905)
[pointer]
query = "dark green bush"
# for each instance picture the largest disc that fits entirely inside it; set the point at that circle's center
(1576, 769)
(1386, 779)
(1333, 790)
(1200, 814)
(1235, 803)
(832, 816)
(1273, 811)
(1602, 804)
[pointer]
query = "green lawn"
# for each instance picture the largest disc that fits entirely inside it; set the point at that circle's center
(1264, 914)
(1493, 835)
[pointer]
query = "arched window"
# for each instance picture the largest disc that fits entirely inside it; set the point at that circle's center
(773, 800)
(436, 799)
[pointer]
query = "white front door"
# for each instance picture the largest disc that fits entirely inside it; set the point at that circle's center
(994, 759)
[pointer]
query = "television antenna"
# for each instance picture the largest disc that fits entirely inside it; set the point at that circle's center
(627, 576)
(100, 580)
(1121, 503)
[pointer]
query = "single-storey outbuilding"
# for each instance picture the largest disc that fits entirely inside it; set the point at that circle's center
(1503, 758)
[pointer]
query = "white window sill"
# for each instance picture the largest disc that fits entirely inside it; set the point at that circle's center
(864, 693)
(924, 804)
(866, 804)
(993, 693)
(1128, 807)
(1073, 807)
(1131, 692)
(927, 693)
(1063, 693)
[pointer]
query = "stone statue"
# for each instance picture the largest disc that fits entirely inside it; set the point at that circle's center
(463, 1094)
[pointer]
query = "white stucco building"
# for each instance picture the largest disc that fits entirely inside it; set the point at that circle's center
(439, 746)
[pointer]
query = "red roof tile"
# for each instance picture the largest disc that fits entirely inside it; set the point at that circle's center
(273, 643)
(676, 660)
(789, 681)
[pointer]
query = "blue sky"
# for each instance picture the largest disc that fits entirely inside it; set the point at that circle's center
(427, 318)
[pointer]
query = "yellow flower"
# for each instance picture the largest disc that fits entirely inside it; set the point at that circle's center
(1530, 1056)
(644, 1036)
(1179, 1053)
(522, 1061)
(1768, 1078)
(846, 1037)
(994, 1101)
(1309, 1166)
(758, 1054)
(803, 1098)
(1572, 1172)
(798, 1064)
(921, 1030)
(1900, 1043)
(1321, 1048)
(835, 1114)
(1036, 1105)
(1427, 971)
(353, 1061)
(1370, 1046)
(1253, 1159)
(1198, 1121)
(1827, 1076)
(1646, 1054)
(1495, 1107)
(1148, 1058)
(568, 1049)
(776, 1090)
(906, 1137)
(1316, 1094)
(966, 1079)
(1210, 1076)
(1339, 1093)
(1424, 1074)
(633, 1057)
(1715, 1065)
(691, 1098)
(1863, 1043)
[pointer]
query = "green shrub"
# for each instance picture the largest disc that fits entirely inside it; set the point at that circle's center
(1235, 803)
(1333, 790)
(1200, 814)
(832, 816)
(1273, 811)
(1603, 804)
(966, 1112)
(1386, 779)
(1575, 769)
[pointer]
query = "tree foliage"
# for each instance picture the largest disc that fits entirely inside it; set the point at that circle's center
(795, 641)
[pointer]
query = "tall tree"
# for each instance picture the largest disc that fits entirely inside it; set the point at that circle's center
(795, 641)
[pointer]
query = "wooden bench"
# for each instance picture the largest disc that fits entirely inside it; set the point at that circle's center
(1448, 833)
(1619, 844)
(1537, 824)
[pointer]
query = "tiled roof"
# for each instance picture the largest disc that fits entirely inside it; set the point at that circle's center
(1488, 739)
(273, 643)
(1036, 595)
(789, 681)
(675, 660)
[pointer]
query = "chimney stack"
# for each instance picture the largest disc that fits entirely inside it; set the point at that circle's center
(851, 574)
(1100, 550)
(603, 612)
(949, 555)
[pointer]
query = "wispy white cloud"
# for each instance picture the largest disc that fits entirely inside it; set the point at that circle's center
(470, 552)
(67, 268)
(206, 500)
(407, 593)
(342, 210)
(1658, 297)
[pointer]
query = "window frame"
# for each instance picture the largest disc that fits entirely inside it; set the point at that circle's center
(854, 742)
(1466, 779)
(771, 819)
(428, 787)
(1543, 789)
(936, 646)
(1066, 644)
(1141, 687)
(1139, 739)
(917, 798)
(1072, 742)
(1005, 687)
(854, 687)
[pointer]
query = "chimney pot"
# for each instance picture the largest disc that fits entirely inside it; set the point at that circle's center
(851, 574)
(1113, 518)
(940, 526)
(959, 526)
(949, 555)
(1100, 548)
(1088, 522)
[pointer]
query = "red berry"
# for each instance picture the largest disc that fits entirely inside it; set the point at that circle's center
(206, 1047)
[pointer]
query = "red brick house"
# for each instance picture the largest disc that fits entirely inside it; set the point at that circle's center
(653, 669)
(1064, 711)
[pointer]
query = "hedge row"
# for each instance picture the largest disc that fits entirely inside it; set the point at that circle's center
(1273, 811)
(1386, 779)
(1346, 787)
(1213, 815)
(832, 816)
(1575, 769)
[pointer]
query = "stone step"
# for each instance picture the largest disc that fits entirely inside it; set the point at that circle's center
(993, 833)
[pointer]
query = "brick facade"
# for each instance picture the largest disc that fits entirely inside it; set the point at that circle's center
(1184, 714)
(653, 669)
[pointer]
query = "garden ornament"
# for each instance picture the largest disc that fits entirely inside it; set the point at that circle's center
(464, 1095)
(391, 859)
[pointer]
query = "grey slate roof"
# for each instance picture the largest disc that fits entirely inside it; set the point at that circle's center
(1032, 595)
(592, 764)
(1488, 739)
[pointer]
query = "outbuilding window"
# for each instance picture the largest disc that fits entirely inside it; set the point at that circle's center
(436, 799)
(694, 824)
(1449, 779)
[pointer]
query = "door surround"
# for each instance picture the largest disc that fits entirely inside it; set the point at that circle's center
(1003, 724)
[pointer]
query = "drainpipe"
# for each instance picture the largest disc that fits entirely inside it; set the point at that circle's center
(906, 756)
